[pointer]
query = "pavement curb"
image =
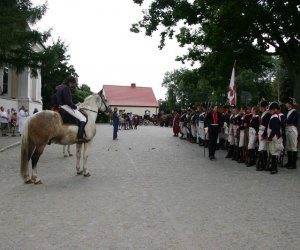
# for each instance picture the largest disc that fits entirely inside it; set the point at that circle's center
(10, 146)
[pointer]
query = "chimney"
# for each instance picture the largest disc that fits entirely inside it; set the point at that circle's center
(133, 85)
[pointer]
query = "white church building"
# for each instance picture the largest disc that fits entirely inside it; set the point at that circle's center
(20, 89)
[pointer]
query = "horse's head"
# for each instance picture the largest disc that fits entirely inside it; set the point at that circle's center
(103, 105)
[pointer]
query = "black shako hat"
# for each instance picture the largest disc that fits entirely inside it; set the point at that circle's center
(263, 103)
(274, 105)
(291, 100)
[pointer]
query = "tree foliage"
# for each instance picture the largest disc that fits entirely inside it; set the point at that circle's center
(186, 88)
(54, 69)
(17, 41)
(17, 36)
(218, 32)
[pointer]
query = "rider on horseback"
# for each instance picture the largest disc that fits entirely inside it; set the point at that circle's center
(65, 102)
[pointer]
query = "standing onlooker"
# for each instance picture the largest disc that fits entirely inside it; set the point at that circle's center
(115, 122)
(291, 131)
(130, 118)
(13, 122)
(3, 121)
(35, 110)
(136, 121)
(8, 118)
(120, 119)
(22, 116)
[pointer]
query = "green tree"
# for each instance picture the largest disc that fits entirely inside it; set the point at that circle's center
(282, 85)
(185, 88)
(80, 93)
(17, 36)
(54, 69)
(245, 30)
(253, 85)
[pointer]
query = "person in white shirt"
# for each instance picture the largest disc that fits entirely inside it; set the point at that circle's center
(22, 116)
(3, 121)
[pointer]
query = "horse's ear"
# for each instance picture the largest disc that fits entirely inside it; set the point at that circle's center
(101, 91)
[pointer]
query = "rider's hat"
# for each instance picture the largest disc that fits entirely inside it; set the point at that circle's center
(71, 79)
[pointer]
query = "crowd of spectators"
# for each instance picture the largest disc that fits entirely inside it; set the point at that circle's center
(128, 120)
(12, 121)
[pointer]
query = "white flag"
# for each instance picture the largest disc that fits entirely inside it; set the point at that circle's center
(231, 95)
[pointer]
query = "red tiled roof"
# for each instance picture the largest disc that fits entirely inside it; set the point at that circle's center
(130, 96)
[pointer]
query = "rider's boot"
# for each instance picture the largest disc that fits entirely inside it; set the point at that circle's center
(80, 138)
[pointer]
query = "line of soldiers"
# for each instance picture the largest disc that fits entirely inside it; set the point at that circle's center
(255, 136)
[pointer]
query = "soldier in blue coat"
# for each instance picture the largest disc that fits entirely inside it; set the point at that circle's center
(291, 131)
(274, 136)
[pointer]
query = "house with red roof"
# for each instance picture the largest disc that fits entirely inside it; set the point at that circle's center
(131, 98)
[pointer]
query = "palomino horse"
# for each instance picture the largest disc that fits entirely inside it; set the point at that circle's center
(47, 126)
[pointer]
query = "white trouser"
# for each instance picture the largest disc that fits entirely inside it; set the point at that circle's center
(74, 112)
(263, 145)
(291, 138)
(242, 138)
(184, 131)
(252, 138)
(230, 135)
(181, 125)
(235, 135)
(193, 130)
(276, 145)
(201, 130)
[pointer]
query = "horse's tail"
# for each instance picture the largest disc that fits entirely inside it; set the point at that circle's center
(26, 151)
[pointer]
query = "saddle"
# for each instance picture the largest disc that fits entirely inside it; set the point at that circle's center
(69, 119)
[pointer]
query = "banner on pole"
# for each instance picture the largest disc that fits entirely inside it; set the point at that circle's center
(231, 95)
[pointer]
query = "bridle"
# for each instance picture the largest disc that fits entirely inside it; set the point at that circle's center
(102, 102)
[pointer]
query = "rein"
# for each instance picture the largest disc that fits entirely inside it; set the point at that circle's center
(90, 110)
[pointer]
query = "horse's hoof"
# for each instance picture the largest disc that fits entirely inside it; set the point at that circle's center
(38, 181)
(87, 174)
(70, 154)
(79, 172)
(29, 181)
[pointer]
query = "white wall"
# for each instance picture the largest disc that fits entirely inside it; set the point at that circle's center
(9, 103)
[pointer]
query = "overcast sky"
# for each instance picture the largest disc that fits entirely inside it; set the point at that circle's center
(103, 50)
